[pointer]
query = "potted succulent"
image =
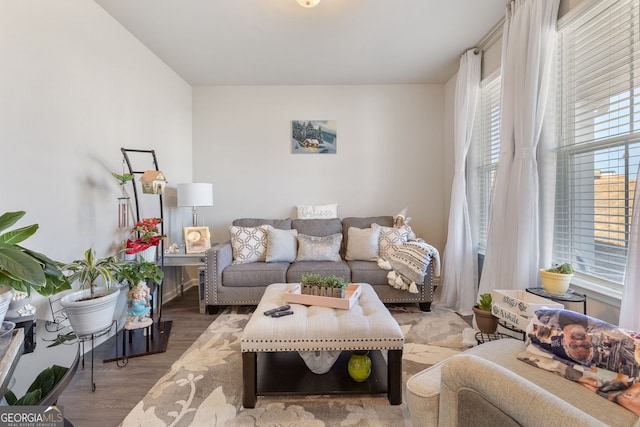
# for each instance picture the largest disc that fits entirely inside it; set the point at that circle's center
(22, 269)
(556, 279)
(91, 309)
(486, 321)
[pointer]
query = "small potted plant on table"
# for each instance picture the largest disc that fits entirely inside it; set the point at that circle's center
(486, 321)
(556, 279)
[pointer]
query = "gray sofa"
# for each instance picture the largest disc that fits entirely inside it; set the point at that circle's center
(244, 284)
(488, 386)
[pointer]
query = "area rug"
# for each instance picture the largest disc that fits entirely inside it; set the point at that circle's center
(204, 386)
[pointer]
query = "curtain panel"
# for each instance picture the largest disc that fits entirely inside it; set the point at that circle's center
(513, 244)
(460, 258)
(629, 313)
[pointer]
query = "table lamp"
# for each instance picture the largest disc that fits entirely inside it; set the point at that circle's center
(195, 194)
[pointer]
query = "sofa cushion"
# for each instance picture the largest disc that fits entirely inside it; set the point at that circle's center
(337, 268)
(282, 245)
(254, 274)
(312, 248)
(249, 244)
(367, 272)
(282, 224)
(317, 227)
(363, 244)
(391, 238)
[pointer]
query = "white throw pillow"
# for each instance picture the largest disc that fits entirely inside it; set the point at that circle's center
(363, 244)
(312, 248)
(391, 238)
(318, 211)
(248, 244)
(282, 245)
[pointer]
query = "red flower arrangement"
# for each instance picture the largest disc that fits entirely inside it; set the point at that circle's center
(148, 235)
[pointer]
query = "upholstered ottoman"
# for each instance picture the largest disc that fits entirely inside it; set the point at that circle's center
(272, 347)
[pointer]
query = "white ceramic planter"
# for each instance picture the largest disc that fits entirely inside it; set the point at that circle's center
(6, 294)
(92, 315)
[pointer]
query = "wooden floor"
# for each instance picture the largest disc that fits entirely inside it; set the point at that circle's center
(118, 390)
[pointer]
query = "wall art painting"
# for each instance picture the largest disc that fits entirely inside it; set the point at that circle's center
(313, 136)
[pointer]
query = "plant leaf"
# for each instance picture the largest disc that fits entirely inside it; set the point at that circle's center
(9, 218)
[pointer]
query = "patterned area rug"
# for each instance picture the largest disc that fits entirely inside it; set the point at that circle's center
(204, 386)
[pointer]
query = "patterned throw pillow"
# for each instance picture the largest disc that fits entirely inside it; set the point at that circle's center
(248, 244)
(391, 238)
(312, 248)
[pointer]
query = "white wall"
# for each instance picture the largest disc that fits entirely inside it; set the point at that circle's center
(389, 153)
(74, 88)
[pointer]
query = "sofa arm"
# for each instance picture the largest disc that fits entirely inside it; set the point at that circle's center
(475, 391)
(219, 257)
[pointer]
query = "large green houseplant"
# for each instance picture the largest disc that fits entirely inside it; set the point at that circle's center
(91, 309)
(22, 269)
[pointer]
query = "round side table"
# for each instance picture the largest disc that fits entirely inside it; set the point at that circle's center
(570, 296)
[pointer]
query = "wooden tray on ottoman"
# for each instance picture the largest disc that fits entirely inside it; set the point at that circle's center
(351, 295)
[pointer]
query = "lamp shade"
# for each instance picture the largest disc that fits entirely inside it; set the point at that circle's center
(195, 194)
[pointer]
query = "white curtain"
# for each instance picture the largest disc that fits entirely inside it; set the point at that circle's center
(460, 266)
(529, 38)
(629, 313)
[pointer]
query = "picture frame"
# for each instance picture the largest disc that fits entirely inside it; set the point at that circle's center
(314, 136)
(197, 239)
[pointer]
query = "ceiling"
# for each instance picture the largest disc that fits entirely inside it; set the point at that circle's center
(278, 42)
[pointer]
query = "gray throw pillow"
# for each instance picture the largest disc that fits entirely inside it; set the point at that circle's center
(312, 248)
(281, 245)
(362, 244)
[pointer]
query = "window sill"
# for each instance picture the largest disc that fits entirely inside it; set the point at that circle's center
(597, 291)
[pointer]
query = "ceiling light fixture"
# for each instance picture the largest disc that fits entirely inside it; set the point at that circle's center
(308, 3)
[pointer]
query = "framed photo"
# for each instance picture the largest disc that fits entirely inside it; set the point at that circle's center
(196, 239)
(314, 136)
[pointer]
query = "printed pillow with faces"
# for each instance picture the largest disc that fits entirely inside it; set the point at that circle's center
(391, 238)
(248, 244)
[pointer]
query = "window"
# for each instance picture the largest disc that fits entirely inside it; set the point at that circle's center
(486, 142)
(599, 140)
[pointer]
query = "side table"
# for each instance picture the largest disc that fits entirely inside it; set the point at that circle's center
(181, 260)
(570, 296)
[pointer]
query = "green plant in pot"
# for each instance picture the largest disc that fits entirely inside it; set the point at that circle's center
(329, 285)
(556, 280)
(91, 309)
(137, 303)
(486, 321)
(22, 269)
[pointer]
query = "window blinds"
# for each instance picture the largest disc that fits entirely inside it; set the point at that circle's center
(599, 139)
